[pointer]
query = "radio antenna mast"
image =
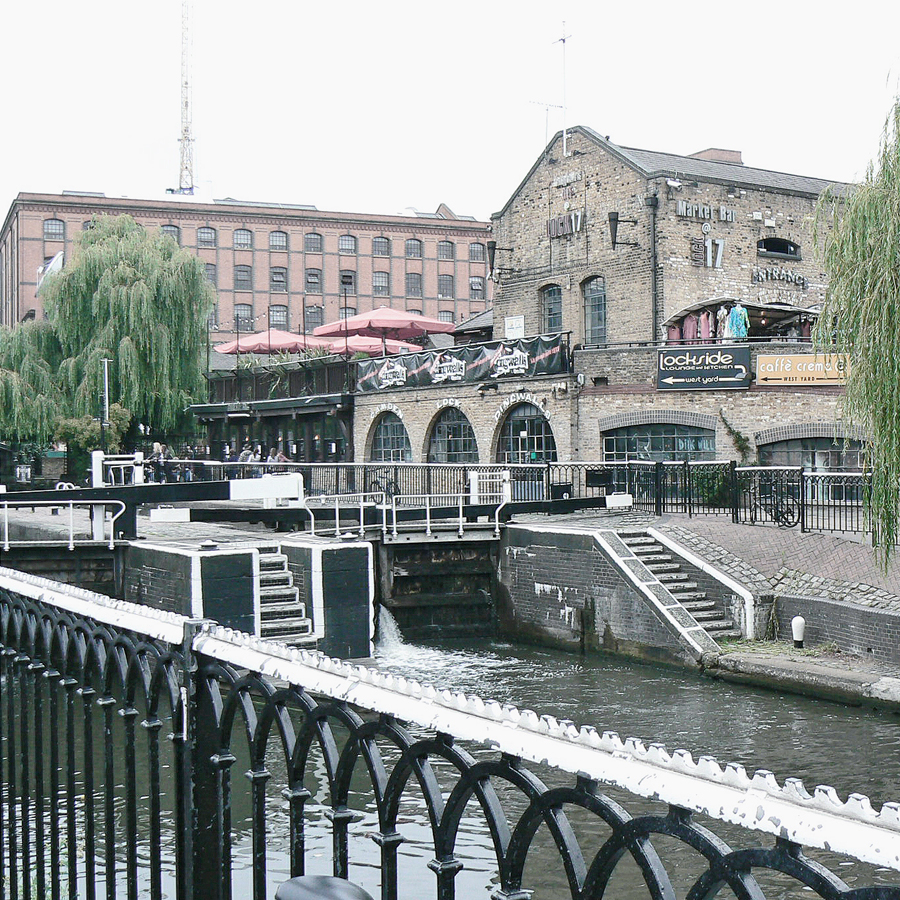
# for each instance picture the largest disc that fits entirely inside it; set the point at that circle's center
(562, 41)
(186, 174)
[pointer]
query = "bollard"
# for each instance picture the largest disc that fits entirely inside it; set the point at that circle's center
(798, 627)
(320, 887)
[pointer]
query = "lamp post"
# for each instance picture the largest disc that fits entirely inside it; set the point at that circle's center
(104, 410)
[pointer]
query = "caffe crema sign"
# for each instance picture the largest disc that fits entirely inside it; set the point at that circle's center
(494, 361)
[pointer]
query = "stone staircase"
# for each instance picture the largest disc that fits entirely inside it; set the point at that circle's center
(281, 613)
(708, 612)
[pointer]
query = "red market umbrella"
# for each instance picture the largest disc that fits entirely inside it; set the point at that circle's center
(272, 341)
(384, 323)
(359, 343)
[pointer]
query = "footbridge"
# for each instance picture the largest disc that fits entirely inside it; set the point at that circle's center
(150, 754)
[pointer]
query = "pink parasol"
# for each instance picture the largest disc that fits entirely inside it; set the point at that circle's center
(360, 343)
(383, 323)
(272, 341)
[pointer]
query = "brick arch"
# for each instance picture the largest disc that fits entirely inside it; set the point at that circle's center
(432, 423)
(370, 434)
(834, 430)
(658, 416)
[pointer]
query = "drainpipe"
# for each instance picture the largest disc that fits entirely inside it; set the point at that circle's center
(652, 203)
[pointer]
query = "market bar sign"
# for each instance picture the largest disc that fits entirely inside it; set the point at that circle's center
(802, 368)
(570, 223)
(700, 368)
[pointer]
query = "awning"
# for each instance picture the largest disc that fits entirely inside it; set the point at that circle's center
(772, 312)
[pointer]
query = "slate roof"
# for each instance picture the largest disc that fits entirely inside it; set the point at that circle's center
(478, 322)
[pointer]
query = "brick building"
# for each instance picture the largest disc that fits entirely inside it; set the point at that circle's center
(291, 267)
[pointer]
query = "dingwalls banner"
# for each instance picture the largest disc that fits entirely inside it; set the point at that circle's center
(475, 362)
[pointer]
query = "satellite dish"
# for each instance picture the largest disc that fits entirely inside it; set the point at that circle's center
(51, 268)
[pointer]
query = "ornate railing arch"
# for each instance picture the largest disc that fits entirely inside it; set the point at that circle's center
(101, 702)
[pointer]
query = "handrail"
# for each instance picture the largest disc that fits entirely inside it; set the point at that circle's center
(54, 504)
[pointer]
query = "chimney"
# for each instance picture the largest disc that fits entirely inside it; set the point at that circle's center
(715, 154)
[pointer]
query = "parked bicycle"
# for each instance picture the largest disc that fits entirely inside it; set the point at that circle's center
(782, 509)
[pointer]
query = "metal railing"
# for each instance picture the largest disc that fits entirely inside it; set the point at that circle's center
(108, 517)
(146, 754)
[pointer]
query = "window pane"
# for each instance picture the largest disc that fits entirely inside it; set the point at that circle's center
(212, 322)
(346, 311)
(594, 292)
(211, 273)
(445, 287)
(551, 297)
(206, 237)
(414, 249)
(381, 246)
(243, 238)
(413, 284)
(452, 440)
(446, 250)
(314, 317)
(173, 232)
(347, 243)
(381, 284)
(446, 315)
(476, 253)
(278, 317)
(659, 441)
(314, 281)
(390, 442)
(476, 287)
(278, 240)
(526, 437)
(312, 243)
(348, 282)
(243, 278)
(243, 317)
(54, 230)
(277, 279)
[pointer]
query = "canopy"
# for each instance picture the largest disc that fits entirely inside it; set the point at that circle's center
(272, 341)
(359, 343)
(756, 310)
(385, 322)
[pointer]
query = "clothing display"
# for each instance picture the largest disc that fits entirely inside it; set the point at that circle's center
(673, 335)
(738, 322)
(707, 325)
(690, 328)
(722, 322)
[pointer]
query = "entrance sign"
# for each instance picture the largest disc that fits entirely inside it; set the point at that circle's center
(802, 368)
(514, 327)
(690, 368)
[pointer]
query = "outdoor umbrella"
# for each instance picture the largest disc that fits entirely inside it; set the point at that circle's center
(384, 323)
(271, 341)
(359, 343)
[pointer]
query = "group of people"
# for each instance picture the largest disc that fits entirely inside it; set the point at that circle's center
(161, 465)
(252, 454)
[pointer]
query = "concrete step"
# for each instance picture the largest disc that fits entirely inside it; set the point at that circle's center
(674, 578)
(288, 631)
(647, 558)
(638, 540)
(707, 615)
(662, 567)
(272, 561)
(686, 598)
(276, 608)
(267, 597)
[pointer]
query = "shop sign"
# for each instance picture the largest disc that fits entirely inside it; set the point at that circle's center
(570, 223)
(513, 327)
(777, 273)
(697, 368)
(802, 368)
(704, 211)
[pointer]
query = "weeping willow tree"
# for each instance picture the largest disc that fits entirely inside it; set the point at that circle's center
(134, 297)
(861, 317)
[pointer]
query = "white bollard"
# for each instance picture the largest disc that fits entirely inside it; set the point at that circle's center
(798, 629)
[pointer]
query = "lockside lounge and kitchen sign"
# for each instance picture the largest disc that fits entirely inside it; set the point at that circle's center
(470, 363)
(697, 368)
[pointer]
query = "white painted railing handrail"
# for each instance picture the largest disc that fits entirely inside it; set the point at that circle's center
(7, 502)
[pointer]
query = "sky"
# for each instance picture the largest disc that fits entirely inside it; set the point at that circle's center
(378, 107)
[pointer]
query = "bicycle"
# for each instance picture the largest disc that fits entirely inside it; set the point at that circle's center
(784, 511)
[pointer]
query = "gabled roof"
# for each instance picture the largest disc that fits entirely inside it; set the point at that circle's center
(478, 322)
(654, 164)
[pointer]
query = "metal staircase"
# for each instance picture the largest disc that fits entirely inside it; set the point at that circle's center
(710, 613)
(282, 614)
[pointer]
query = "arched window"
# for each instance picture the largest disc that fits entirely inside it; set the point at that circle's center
(816, 453)
(413, 284)
(659, 441)
(312, 242)
(243, 239)
(206, 237)
(278, 279)
(476, 287)
(476, 253)
(315, 316)
(381, 284)
(526, 436)
(278, 317)
(446, 250)
(594, 293)
(551, 308)
(778, 248)
(243, 318)
(54, 230)
(277, 240)
(390, 441)
(347, 243)
(243, 278)
(381, 246)
(446, 315)
(173, 231)
(446, 290)
(210, 272)
(452, 439)
(413, 249)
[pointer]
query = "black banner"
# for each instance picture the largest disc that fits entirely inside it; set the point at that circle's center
(469, 363)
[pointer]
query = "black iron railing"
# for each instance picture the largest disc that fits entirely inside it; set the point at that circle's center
(145, 755)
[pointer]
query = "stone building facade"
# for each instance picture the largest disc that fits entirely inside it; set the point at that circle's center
(291, 267)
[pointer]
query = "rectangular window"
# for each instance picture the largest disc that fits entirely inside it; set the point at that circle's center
(445, 287)
(446, 250)
(348, 282)
(381, 246)
(206, 237)
(413, 284)
(312, 243)
(211, 273)
(313, 281)
(243, 278)
(243, 318)
(476, 253)
(414, 249)
(54, 230)
(552, 303)
(277, 240)
(445, 315)
(346, 311)
(243, 239)
(381, 284)
(476, 287)
(278, 317)
(347, 243)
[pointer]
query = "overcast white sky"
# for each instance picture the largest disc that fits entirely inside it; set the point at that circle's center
(379, 106)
